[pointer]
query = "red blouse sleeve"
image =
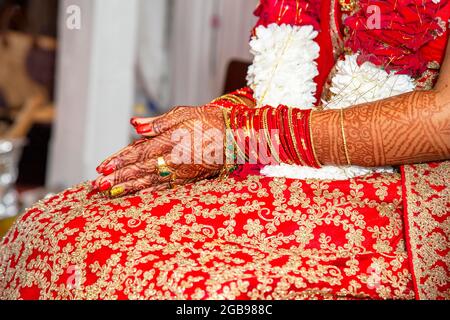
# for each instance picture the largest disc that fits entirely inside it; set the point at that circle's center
(291, 12)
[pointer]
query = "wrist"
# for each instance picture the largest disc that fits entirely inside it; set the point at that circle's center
(273, 135)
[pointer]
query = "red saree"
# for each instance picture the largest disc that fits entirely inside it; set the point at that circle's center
(245, 238)
(380, 236)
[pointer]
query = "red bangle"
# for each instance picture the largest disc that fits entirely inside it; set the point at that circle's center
(274, 124)
(304, 135)
(246, 93)
(235, 126)
(263, 155)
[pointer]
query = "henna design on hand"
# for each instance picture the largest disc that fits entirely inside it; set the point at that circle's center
(135, 167)
(409, 128)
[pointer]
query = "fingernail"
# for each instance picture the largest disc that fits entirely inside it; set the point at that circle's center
(133, 122)
(117, 191)
(99, 169)
(108, 170)
(105, 186)
(146, 128)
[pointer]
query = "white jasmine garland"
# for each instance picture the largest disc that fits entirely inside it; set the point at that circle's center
(283, 72)
(284, 66)
(354, 84)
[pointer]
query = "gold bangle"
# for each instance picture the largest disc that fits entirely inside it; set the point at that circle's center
(240, 100)
(235, 99)
(311, 137)
(231, 98)
(252, 151)
(227, 166)
(224, 172)
(294, 139)
(228, 124)
(344, 138)
(218, 99)
(266, 131)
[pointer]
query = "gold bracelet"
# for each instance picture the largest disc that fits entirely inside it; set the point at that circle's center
(311, 137)
(226, 169)
(239, 99)
(242, 153)
(231, 98)
(294, 139)
(252, 137)
(266, 131)
(247, 125)
(218, 99)
(344, 138)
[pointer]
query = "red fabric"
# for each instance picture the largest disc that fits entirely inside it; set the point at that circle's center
(291, 12)
(407, 232)
(426, 200)
(326, 60)
(412, 34)
(252, 238)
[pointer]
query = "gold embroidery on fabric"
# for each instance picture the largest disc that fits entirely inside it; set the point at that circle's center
(428, 202)
(198, 259)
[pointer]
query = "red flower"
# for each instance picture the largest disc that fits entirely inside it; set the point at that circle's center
(399, 42)
(289, 12)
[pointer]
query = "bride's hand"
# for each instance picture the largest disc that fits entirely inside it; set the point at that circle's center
(188, 140)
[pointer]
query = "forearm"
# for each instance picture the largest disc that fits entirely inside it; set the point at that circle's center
(410, 128)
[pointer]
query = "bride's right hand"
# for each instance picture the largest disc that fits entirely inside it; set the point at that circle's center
(138, 166)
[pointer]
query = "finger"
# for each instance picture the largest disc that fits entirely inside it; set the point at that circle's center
(105, 166)
(133, 186)
(134, 171)
(151, 127)
(135, 122)
(162, 187)
(140, 121)
(152, 148)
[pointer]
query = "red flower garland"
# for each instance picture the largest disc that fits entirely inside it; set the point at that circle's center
(407, 27)
(291, 12)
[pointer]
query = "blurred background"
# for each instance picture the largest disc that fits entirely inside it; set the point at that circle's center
(73, 72)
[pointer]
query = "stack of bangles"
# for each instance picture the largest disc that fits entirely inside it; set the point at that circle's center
(164, 171)
(283, 134)
(235, 97)
(270, 135)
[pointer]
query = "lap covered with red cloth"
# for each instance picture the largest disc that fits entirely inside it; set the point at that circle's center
(243, 238)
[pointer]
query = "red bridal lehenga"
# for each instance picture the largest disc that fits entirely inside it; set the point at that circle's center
(374, 234)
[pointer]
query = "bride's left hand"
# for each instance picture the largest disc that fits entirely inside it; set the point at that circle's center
(178, 132)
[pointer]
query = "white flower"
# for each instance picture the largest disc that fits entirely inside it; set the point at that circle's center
(283, 72)
(284, 66)
(354, 84)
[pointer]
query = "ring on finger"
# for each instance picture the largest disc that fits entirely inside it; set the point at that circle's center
(163, 169)
(172, 184)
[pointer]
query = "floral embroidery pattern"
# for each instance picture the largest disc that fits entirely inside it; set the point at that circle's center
(253, 238)
(428, 225)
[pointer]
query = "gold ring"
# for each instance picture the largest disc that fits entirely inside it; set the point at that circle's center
(163, 168)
